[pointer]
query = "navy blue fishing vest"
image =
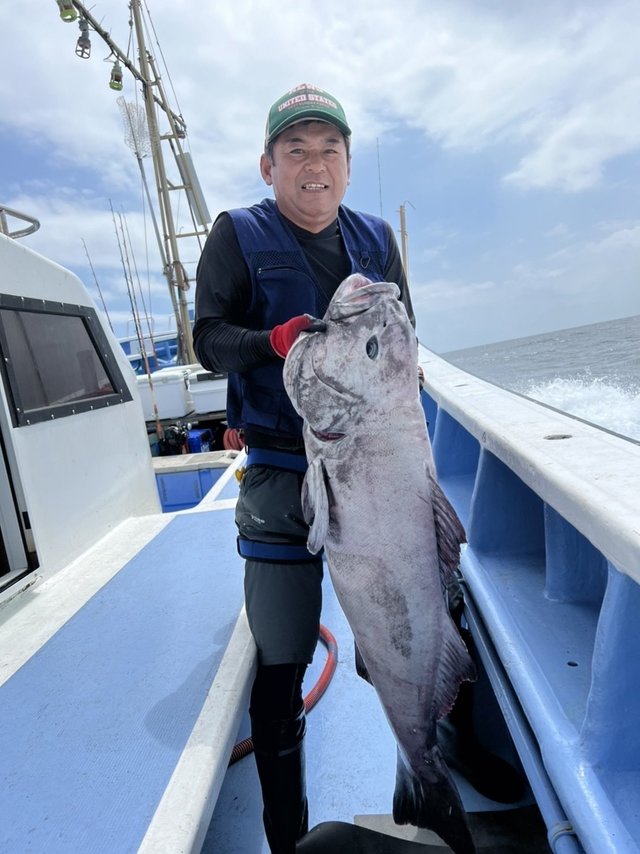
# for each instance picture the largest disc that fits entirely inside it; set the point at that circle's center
(283, 286)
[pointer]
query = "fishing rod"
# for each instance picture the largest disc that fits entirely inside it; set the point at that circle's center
(136, 320)
(95, 279)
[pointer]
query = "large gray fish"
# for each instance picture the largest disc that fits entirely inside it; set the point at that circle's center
(391, 538)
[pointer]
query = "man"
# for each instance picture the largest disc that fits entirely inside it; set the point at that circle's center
(265, 274)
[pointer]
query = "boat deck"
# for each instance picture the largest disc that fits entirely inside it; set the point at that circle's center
(131, 685)
(111, 701)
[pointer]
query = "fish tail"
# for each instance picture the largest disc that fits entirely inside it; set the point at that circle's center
(433, 802)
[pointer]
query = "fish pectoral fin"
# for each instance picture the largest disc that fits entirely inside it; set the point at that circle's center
(315, 505)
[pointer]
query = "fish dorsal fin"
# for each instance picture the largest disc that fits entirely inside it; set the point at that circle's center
(456, 665)
(449, 532)
(315, 505)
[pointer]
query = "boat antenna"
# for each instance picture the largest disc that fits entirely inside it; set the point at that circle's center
(379, 177)
(404, 238)
(95, 279)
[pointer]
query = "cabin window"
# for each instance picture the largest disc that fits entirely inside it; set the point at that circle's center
(56, 361)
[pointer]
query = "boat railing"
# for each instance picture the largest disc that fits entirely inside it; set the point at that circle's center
(552, 581)
(5, 228)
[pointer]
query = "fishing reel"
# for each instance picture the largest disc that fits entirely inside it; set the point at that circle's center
(174, 441)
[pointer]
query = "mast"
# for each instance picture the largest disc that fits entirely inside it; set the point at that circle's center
(155, 100)
(174, 271)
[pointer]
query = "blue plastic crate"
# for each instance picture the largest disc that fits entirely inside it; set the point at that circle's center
(182, 490)
(200, 441)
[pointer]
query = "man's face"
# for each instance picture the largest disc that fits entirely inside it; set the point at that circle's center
(309, 173)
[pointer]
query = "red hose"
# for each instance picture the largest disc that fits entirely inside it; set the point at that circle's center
(244, 748)
(328, 670)
(232, 440)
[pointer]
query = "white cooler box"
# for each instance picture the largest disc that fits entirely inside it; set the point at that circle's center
(171, 393)
(208, 392)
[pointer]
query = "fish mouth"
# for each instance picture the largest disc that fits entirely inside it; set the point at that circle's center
(327, 437)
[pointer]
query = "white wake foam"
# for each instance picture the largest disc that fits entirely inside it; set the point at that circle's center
(595, 400)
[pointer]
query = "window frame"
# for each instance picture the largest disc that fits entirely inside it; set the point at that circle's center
(102, 348)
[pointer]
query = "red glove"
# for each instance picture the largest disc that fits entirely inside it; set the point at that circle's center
(283, 336)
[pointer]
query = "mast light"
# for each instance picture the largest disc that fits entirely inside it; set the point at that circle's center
(83, 45)
(67, 10)
(116, 76)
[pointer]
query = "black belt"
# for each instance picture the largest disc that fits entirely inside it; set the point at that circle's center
(289, 444)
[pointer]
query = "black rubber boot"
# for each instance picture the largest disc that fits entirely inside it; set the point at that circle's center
(279, 753)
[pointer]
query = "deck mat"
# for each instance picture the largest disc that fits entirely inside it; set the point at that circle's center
(91, 727)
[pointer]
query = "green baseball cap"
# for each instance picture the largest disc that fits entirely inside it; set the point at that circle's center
(302, 103)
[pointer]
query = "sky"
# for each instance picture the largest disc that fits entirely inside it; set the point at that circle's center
(509, 130)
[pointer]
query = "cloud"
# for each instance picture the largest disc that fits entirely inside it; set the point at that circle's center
(577, 146)
(561, 84)
(559, 230)
(622, 238)
(106, 248)
(442, 294)
(547, 94)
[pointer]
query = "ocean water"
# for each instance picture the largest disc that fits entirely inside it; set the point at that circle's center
(591, 372)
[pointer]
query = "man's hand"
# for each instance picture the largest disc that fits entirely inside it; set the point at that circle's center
(283, 336)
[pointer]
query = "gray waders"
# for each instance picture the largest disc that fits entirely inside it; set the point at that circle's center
(283, 596)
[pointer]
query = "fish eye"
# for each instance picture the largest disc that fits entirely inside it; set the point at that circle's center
(372, 347)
